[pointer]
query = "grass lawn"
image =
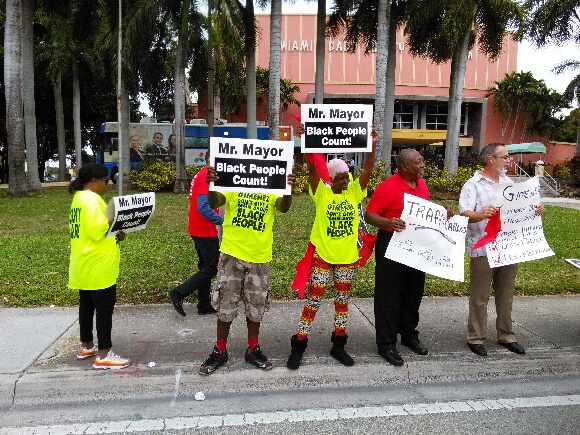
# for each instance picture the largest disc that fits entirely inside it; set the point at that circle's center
(35, 250)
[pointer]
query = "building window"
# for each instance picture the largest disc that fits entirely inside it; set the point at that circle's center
(403, 117)
(436, 117)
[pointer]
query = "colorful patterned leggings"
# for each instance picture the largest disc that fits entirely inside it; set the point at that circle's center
(321, 273)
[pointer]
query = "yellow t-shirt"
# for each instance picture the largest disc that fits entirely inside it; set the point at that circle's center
(335, 229)
(94, 259)
(247, 227)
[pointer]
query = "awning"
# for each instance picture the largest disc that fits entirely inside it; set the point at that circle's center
(526, 148)
(414, 137)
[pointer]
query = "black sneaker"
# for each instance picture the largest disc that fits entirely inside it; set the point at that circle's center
(177, 302)
(257, 358)
(215, 360)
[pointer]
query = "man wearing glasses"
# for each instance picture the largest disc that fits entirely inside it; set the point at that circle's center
(475, 203)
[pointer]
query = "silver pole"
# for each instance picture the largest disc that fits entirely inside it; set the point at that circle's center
(120, 141)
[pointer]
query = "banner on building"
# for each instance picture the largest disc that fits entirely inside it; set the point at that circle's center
(130, 213)
(430, 242)
(251, 165)
(336, 128)
(522, 235)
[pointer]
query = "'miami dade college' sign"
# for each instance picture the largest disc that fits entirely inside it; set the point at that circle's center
(336, 128)
(251, 165)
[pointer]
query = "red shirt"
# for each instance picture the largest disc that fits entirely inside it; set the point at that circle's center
(198, 225)
(387, 199)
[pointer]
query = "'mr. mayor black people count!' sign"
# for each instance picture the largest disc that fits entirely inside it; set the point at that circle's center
(336, 128)
(251, 165)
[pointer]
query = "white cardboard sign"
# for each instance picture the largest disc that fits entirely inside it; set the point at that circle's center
(336, 128)
(130, 212)
(522, 236)
(430, 242)
(251, 165)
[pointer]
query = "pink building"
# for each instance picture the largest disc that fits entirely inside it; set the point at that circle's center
(422, 87)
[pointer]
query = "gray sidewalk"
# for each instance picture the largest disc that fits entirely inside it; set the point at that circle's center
(38, 349)
(45, 339)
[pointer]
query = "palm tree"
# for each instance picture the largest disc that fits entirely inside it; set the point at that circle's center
(557, 21)
(17, 186)
(362, 22)
(320, 52)
(446, 29)
(274, 80)
(28, 96)
(572, 92)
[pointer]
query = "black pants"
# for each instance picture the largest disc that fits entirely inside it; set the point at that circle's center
(398, 293)
(208, 252)
(103, 302)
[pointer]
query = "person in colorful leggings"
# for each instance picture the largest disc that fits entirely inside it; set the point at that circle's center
(333, 240)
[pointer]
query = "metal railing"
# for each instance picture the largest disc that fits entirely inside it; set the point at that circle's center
(546, 179)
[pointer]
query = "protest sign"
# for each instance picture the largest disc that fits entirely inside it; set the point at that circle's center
(574, 262)
(430, 242)
(336, 128)
(130, 213)
(522, 235)
(251, 165)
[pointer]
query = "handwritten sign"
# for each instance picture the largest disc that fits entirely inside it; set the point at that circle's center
(430, 242)
(332, 128)
(130, 213)
(251, 165)
(522, 236)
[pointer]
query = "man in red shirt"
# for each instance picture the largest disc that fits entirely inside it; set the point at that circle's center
(202, 229)
(398, 288)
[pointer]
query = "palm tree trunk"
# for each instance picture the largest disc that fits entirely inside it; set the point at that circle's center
(77, 116)
(13, 91)
(320, 53)
(252, 131)
(458, 65)
(210, 100)
(60, 134)
(181, 185)
(390, 93)
(381, 80)
(28, 96)
(274, 84)
(518, 111)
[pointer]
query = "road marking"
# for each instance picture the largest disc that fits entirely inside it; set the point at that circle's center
(176, 388)
(181, 423)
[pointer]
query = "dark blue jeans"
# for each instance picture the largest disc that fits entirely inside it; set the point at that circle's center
(398, 293)
(208, 252)
(103, 302)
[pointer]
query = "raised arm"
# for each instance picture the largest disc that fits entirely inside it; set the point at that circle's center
(283, 203)
(214, 199)
(365, 176)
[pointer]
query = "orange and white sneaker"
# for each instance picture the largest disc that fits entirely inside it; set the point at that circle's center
(84, 353)
(111, 361)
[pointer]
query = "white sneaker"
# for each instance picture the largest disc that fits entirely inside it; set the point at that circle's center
(84, 353)
(111, 361)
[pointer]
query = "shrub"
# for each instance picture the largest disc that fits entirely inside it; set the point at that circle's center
(562, 171)
(159, 176)
(377, 176)
(302, 179)
(439, 180)
(575, 171)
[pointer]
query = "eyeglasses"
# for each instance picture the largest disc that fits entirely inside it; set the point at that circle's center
(105, 179)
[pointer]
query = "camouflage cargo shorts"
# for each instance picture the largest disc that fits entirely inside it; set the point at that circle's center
(237, 281)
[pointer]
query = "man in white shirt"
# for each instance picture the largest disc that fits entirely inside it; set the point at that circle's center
(475, 203)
